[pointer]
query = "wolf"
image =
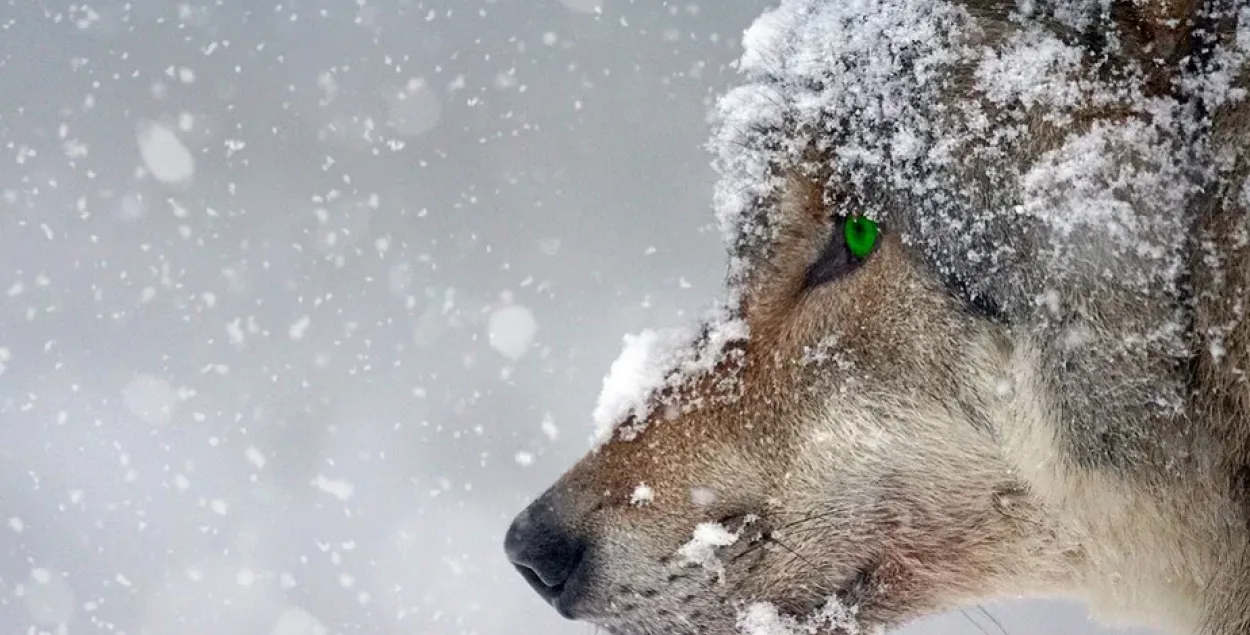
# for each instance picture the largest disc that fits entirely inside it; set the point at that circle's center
(984, 335)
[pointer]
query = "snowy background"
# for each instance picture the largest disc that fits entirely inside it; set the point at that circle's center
(300, 301)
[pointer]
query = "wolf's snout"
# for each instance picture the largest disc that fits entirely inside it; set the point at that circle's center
(545, 551)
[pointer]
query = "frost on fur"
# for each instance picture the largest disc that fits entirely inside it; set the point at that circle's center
(869, 82)
(762, 618)
(654, 361)
(806, 62)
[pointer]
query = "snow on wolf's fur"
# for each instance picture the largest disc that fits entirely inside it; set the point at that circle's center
(867, 83)
(657, 359)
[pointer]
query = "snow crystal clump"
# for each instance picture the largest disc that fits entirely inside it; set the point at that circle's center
(701, 549)
(643, 494)
(658, 360)
(1218, 84)
(641, 366)
(1035, 68)
(1082, 183)
(762, 618)
(164, 154)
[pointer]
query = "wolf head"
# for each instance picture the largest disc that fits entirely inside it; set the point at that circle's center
(948, 222)
(824, 452)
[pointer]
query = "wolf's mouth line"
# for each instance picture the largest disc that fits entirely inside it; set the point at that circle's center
(554, 590)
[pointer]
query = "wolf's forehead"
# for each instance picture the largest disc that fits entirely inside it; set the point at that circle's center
(855, 81)
(1008, 153)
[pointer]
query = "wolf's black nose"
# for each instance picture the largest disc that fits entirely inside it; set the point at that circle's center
(544, 550)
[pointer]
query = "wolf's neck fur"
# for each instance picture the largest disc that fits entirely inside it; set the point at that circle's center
(1163, 551)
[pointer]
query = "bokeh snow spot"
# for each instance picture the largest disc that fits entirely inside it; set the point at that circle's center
(703, 496)
(428, 326)
(339, 489)
(549, 427)
(164, 154)
(255, 457)
(49, 598)
(413, 109)
(213, 596)
(299, 328)
(511, 330)
(297, 621)
(150, 398)
(583, 6)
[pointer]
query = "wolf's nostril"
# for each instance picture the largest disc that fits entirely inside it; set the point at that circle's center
(543, 549)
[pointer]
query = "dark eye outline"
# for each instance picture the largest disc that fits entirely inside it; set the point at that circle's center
(837, 259)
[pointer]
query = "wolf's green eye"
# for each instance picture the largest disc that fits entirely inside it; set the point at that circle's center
(861, 236)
